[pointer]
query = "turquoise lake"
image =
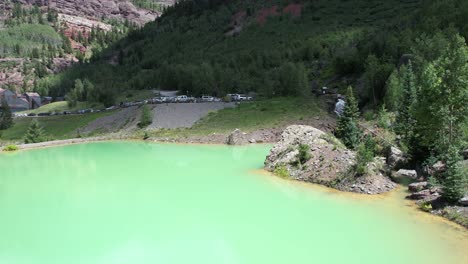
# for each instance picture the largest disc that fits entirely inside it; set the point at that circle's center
(139, 203)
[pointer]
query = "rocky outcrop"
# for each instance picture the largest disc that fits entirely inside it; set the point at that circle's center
(405, 174)
(97, 9)
(396, 158)
(417, 186)
(237, 137)
(305, 153)
(424, 195)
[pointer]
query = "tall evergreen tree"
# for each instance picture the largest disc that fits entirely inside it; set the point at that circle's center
(35, 133)
(6, 118)
(347, 129)
(454, 178)
(405, 120)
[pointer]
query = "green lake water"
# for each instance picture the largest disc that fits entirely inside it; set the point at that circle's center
(137, 203)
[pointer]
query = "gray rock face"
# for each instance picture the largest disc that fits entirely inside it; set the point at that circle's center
(425, 195)
(409, 174)
(237, 137)
(417, 186)
(395, 158)
(113, 9)
(309, 154)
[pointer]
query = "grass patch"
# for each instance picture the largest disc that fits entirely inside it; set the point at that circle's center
(251, 116)
(56, 127)
(63, 106)
(10, 148)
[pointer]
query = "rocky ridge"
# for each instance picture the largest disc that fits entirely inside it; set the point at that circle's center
(305, 153)
(97, 9)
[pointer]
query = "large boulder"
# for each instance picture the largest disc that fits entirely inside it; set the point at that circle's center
(405, 174)
(426, 195)
(237, 137)
(396, 158)
(308, 154)
(417, 186)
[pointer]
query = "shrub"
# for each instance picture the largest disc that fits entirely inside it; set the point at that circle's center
(282, 172)
(303, 156)
(10, 148)
(384, 119)
(368, 115)
(365, 154)
(35, 133)
(426, 207)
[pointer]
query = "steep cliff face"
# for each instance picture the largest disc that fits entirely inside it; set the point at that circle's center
(96, 9)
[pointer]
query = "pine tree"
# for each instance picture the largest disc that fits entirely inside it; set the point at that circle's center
(405, 120)
(35, 133)
(6, 118)
(347, 128)
(454, 178)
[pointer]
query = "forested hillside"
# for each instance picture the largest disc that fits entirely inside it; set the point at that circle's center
(273, 47)
(38, 41)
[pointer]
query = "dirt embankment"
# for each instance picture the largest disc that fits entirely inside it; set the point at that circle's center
(122, 120)
(172, 116)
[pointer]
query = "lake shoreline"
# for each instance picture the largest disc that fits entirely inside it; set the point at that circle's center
(218, 139)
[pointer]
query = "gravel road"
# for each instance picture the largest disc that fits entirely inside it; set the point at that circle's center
(183, 115)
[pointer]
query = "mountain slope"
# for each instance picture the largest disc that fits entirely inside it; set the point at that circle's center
(98, 9)
(272, 47)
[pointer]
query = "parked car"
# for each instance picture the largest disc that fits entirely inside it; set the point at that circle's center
(44, 114)
(67, 112)
(171, 99)
(182, 99)
(32, 114)
(206, 98)
(243, 97)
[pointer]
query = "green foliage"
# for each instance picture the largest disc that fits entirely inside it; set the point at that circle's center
(35, 133)
(146, 117)
(405, 119)
(282, 172)
(6, 117)
(393, 91)
(442, 113)
(365, 154)
(10, 148)
(347, 129)
(376, 74)
(27, 38)
(187, 48)
(384, 119)
(453, 177)
(82, 91)
(304, 153)
(426, 207)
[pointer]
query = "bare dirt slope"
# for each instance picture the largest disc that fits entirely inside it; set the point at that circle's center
(183, 115)
(125, 119)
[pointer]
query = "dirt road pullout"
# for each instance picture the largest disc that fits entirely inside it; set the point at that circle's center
(183, 115)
